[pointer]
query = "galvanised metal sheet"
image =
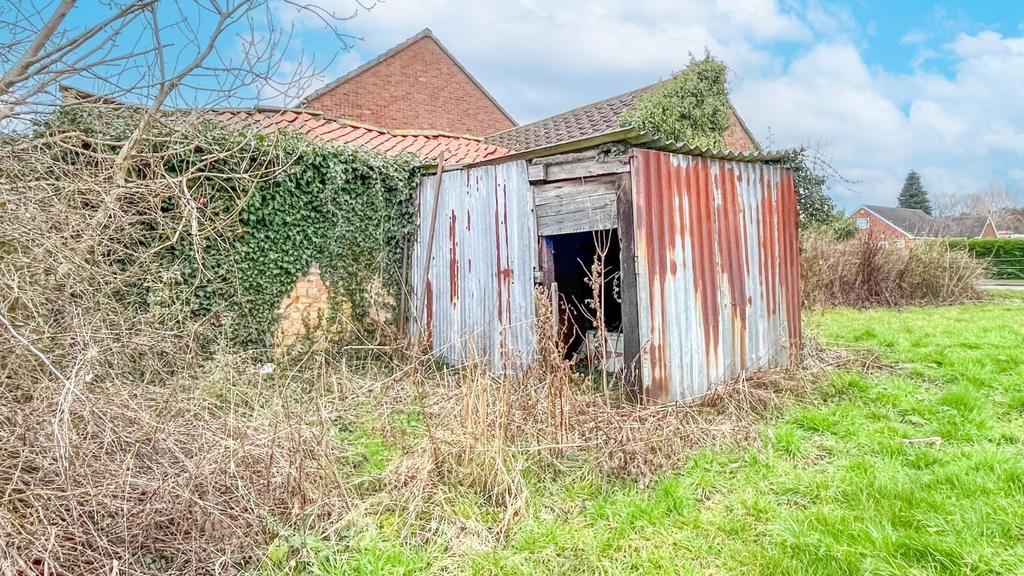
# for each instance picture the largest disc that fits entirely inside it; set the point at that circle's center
(479, 288)
(717, 271)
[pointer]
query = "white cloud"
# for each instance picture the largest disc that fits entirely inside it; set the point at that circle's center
(539, 57)
(914, 37)
(961, 130)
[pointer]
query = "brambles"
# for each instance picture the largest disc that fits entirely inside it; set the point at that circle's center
(862, 273)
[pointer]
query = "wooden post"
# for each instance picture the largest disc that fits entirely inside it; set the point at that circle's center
(631, 376)
(428, 253)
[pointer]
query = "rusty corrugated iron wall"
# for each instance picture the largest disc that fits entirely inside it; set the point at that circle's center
(479, 288)
(717, 271)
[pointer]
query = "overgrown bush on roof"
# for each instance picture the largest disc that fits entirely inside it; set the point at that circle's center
(692, 107)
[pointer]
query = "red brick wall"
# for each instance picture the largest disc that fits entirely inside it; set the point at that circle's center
(419, 88)
(736, 137)
(989, 231)
(878, 228)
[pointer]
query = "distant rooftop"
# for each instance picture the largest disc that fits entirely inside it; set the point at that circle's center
(918, 224)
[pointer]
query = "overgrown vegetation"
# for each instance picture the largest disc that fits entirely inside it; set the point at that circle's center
(134, 436)
(692, 107)
(259, 211)
(905, 463)
(863, 273)
(1003, 257)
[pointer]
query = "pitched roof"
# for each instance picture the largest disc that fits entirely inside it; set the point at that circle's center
(911, 221)
(918, 224)
(964, 226)
(588, 120)
(427, 144)
(425, 33)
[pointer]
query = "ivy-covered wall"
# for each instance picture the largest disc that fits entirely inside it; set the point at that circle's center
(349, 210)
(257, 211)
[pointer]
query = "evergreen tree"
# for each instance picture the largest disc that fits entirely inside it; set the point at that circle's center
(914, 195)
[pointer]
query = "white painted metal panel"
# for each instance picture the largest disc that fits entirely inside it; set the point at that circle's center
(479, 287)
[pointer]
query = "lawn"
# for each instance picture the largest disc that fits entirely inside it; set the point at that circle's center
(917, 468)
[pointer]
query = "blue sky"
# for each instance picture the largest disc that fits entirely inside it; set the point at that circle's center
(880, 87)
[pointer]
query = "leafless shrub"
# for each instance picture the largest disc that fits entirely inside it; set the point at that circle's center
(117, 477)
(121, 449)
(863, 272)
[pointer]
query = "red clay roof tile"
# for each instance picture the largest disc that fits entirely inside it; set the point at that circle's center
(427, 145)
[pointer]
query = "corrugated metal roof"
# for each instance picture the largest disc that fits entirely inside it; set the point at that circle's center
(641, 139)
(426, 144)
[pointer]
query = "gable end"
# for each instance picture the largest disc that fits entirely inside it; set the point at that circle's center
(417, 85)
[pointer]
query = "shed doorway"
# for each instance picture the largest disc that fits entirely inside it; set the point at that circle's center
(582, 263)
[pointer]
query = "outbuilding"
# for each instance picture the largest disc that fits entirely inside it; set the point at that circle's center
(702, 255)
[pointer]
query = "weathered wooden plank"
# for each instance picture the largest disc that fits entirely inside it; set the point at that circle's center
(577, 221)
(545, 262)
(588, 204)
(536, 172)
(587, 168)
(572, 190)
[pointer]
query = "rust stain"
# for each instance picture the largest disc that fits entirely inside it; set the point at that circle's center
(453, 260)
(696, 248)
(429, 289)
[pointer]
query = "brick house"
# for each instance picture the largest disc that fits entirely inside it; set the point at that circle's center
(890, 224)
(419, 85)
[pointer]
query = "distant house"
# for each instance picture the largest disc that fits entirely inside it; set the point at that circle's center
(891, 224)
(417, 84)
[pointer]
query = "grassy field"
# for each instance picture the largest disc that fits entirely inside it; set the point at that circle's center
(917, 468)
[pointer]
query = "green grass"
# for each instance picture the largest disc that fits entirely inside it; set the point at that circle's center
(834, 488)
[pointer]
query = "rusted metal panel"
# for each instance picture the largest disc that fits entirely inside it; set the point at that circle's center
(717, 271)
(479, 284)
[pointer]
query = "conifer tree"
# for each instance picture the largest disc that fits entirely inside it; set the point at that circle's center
(914, 195)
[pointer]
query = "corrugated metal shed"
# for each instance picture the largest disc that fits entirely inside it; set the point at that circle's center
(479, 287)
(717, 271)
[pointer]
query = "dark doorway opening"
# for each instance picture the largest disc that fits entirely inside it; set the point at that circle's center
(573, 257)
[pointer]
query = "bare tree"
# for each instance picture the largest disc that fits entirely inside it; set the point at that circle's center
(953, 204)
(991, 200)
(204, 52)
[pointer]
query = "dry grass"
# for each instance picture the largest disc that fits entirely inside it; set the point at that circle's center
(128, 446)
(863, 273)
(117, 477)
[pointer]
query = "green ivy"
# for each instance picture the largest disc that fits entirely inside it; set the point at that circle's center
(271, 206)
(692, 107)
(817, 210)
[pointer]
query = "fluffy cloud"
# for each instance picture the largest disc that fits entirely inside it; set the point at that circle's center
(961, 129)
(961, 132)
(539, 57)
